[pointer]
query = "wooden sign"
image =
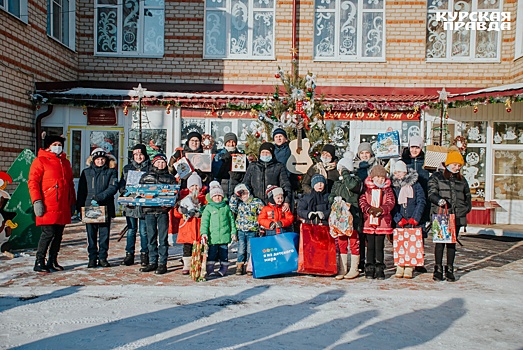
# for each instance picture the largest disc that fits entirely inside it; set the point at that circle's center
(101, 116)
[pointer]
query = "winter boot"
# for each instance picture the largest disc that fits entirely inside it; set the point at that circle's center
(40, 266)
(210, 268)
(128, 260)
(224, 266)
(144, 259)
(449, 273)
(400, 272)
(149, 268)
(186, 265)
(438, 273)
(104, 263)
(353, 272)
(408, 272)
(420, 269)
(162, 268)
(52, 264)
(370, 269)
(239, 268)
(380, 271)
(342, 266)
(92, 264)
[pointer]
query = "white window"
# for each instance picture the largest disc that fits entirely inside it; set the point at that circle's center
(17, 8)
(129, 28)
(349, 30)
(463, 45)
(61, 21)
(241, 29)
(519, 32)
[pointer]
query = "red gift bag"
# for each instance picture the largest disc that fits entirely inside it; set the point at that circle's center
(408, 247)
(317, 255)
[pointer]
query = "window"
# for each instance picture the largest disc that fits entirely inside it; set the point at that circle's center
(463, 44)
(519, 32)
(61, 21)
(349, 30)
(129, 28)
(17, 8)
(241, 29)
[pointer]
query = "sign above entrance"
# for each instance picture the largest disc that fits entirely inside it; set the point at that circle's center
(101, 116)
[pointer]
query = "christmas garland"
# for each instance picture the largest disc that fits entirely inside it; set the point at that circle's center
(461, 143)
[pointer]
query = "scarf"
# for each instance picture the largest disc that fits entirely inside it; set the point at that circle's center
(405, 193)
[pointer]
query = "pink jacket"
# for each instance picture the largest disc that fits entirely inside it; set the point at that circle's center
(387, 204)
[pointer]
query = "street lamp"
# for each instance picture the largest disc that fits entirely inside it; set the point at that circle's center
(140, 93)
(443, 97)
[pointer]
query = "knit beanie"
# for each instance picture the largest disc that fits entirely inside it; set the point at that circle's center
(215, 189)
(273, 191)
(194, 134)
(454, 156)
(194, 179)
(159, 156)
(142, 149)
(97, 153)
(365, 146)
(346, 162)
(230, 136)
(400, 166)
(240, 187)
(329, 148)
(279, 131)
(316, 179)
(50, 139)
(268, 147)
(416, 141)
(378, 170)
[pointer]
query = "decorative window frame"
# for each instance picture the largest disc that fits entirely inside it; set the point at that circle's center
(21, 10)
(518, 52)
(473, 36)
(69, 15)
(360, 11)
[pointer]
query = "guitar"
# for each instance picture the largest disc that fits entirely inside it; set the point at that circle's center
(299, 161)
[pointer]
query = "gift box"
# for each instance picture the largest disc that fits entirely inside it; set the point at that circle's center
(183, 168)
(408, 247)
(388, 145)
(150, 195)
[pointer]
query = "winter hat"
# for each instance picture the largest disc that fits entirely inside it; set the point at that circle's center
(194, 179)
(194, 134)
(142, 149)
(273, 191)
(268, 147)
(230, 136)
(329, 148)
(159, 156)
(240, 187)
(279, 131)
(316, 179)
(215, 189)
(400, 166)
(97, 153)
(346, 162)
(365, 146)
(454, 156)
(50, 139)
(416, 141)
(378, 170)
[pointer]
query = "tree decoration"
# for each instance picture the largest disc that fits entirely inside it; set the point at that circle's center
(508, 105)
(476, 108)
(461, 143)
(125, 110)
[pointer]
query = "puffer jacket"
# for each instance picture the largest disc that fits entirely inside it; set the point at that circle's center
(99, 184)
(246, 212)
(261, 174)
(189, 229)
(387, 204)
(415, 206)
(328, 171)
(313, 202)
(132, 211)
(217, 223)
(454, 189)
(274, 213)
(347, 187)
(51, 181)
(157, 176)
(423, 176)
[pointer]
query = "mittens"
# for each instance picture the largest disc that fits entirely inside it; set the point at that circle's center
(402, 222)
(442, 202)
(378, 211)
(413, 222)
(204, 239)
(312, 215)
(39, 208)
(279, 224)
(272, 226)
(94, 203)
(320, 215)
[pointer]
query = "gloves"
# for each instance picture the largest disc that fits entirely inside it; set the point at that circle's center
(312, 215)
(442, 202)
(204, 239)
(272, 226)
(197, 214)
(338, 199)
(191, 212)
(261, 232)
(182, 210)
(279, 224)
(413, 222)
(39, 208)
(402, 222)
(235, 238)
(94, 203)
(375, 211)
(320, 215)
(226, 156)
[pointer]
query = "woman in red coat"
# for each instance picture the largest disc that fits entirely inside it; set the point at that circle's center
(52, 193)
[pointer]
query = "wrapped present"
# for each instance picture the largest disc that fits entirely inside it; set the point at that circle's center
(155, 195)
(388, 145)
(340, 219)
(434, 156)
(198, 261)
(408, 247)
(94, 215)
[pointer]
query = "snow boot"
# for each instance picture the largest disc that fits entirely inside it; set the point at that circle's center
(449, 273)
(239, 268)
(408, 272)
(186, 265)
(224, 266)
(162, 268)
(92, 263)
(104, 263)
(40, 266)
(400, 272)
(149, 268)
(128, 260)
(144, 259)
(52, 264)
(438, 273)
(380, 271)
(342, 266)
(420, 269)
(210, 268)
(353, 272)
(370, 269)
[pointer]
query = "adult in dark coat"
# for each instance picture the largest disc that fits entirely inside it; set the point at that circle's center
(192, 145)
(282, 152)
(222, 162)
(326, 166)
(97, 186)
(448, 188)
(314, 208)
(268, 171)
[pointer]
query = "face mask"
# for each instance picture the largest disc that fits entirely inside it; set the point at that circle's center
(326, 160)
(266, 159)
(449, 169)
(230, 149)
(56, 149)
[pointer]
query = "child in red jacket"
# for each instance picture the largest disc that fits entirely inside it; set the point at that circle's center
(272, 218)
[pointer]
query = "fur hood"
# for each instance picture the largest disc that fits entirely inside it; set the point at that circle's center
(409, 180)
(371, 186)
(111, 161)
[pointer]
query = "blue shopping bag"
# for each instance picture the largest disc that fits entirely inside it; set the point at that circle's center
(274, 255)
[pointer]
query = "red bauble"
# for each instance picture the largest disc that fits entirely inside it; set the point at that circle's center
(284, 102)
(509, 110)
(277, 76)
(269, 113)
(257, 135)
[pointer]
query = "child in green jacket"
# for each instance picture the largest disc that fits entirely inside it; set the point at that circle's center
(217, 228)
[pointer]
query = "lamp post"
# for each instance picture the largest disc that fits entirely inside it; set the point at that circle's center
(443, 96)
(140, 93)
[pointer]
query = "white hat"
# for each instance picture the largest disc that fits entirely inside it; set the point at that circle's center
(273, 191)
(240, 187)
(215, 189)
(400, 166)
(346, 162)
(194, 179)
(416, 141)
